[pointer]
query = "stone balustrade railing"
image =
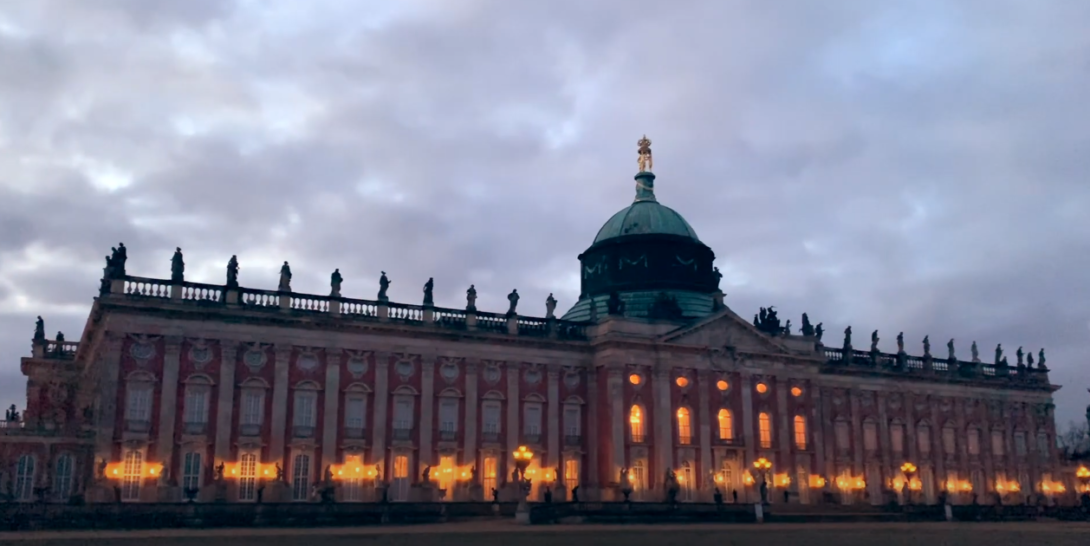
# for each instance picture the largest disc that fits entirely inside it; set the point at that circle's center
(935, 365)
(346, 308)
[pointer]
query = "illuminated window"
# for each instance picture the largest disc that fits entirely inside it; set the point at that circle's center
(489, 475)
(638, 477)
(682, 382)
(446, 476)
(300, 477)
(684, 426)
(132, 475)
(764, 422)
(571, 473)
(247, 477)
(635, 379)
(24, 478)
(400, 484)
(796, 392)
(635, 419)
(762, 388)
(722, 385)
(800, 432)
(726, 425)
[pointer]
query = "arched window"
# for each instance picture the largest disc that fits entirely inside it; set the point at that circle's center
(195, 406)
(764, 422)
(62, 477)
(247, 477)
(800, 432)
(24, 478)
(635, 419)
(132, 475)
(191, 471)
(301, 477)
(923, 439)
(684, 427)
(726, 425)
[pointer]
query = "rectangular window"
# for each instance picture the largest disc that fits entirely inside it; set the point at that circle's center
(571, 473)
(62, 477)
(132, 476)
(949, 440)
(800, 433)
(571, 420)
(247, 477)
(923, 440)
(639, 476)
(490, 418)
(253, 407)
(897, 438)
(138, 406)
(403, 414)
(999, 447)
(355, 408)
(196, 404)
(24, 478)
(764, 422)
(305, 404)
(726, 425)
(532, 419)
(843, 435)
(1042, 444)
(446, 476)
(300, 486)
(448, 415)
(1020, 444)
(870, 436)
(490, 472)
(191, 471)
(973, 441)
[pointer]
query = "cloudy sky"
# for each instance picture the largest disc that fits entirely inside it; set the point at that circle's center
(898, 165)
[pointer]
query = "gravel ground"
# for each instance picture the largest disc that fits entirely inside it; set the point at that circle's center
(509, 534)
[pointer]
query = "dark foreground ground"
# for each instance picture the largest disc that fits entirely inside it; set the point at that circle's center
(509, 534)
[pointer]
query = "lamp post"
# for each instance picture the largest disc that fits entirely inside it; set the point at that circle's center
(909, 471)
(762, 466)
(522, 456)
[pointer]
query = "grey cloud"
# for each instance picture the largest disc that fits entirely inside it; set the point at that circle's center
(909, 167)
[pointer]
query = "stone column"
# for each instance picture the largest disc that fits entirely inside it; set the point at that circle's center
(107, 402)
(828, 431)
(817, 432)
(616, 456)
(705, 380)
(427, 410)
(553, 399)
(280, 403)
(382, 403)
(910, 428)
(514, 404)
(168, 402)
(786, 461)
(330, 412)
(748, 413)
(938, 452)
(857, 433)
(591, 438)
(883, 435)
(472, 403)
(664, 422)
(225, 399)
(963, 440)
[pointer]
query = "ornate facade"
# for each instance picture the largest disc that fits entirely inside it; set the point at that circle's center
(221, 392)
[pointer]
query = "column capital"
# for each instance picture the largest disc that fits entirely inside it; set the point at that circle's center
(173, 343)
(283, 350)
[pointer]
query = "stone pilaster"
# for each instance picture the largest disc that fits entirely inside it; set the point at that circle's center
(784, 427)
(616, 456)
(664, 421)
(330, 411)
(963, 439)
(382, 405)
(226, 399)
(748, 414)
(857, 432)
(553, 400)
(828, 430)
(705, 380)
(884, 441)
(514, 405)
(591, 438)
(472, 403)
(280, 403)
(938, 453)
(107, 403)
(168, 401)
(910, 429)
(817, 432)
(427, 410)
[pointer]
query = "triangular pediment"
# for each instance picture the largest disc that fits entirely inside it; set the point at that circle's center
(725, 329)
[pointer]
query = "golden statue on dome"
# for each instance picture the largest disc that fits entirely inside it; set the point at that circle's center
(645, 162)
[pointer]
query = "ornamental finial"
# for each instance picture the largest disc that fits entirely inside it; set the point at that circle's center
(645, 162)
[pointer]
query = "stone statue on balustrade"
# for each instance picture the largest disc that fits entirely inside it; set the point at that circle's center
(874, 341)
(279, 473)
(217, 475)
(429, 297)
(819, 330)
(118, 259)
(100, 470)
(550, 306)
(1041, 360)
(615, 305)
(900, 342)
(927, 346)
(847, 340)
(60, 342)
(718, 277)
(471, 298)
(950, 356)
(807, 328)
(335, 281)
(425, 477)
(974, 352)
(1021, 356)
(671, 485)
(177, 266)
(232, 273)
(285, 278)
(998, 353)
(513, 300)
(383, 286)
(39, 330)
(787, 328)
(1029, 360)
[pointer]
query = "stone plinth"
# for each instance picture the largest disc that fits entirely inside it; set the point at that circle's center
(276, 491)
(99, 493)
(213, 492)
(423, 492)
(168, 493)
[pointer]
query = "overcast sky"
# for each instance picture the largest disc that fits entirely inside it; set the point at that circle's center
(893, 165)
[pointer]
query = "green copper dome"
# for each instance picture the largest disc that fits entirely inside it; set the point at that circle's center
(645, 216)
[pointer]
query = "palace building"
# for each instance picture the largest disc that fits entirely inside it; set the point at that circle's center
(650, 386)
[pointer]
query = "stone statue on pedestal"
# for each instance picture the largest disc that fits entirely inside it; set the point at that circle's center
(998, 353)
(39, 329)
(718, 277)
(279, 473)
(177, 266)
(807, 328)
(232, 272)
(429, 287)
(426, 476)
(285, 278)
(120, 256)
(1041, 360)
(787, 328)
(1029, 360)
(847, 339)
(926, 346)
(950, 351)
(1021, 356)
(335, 281)
(383, 286)
(819, 330)
(874, 341)
(513, 300)
(471, 298)
(974, 352)
(550, 306)
(900, 342)
(100, 470)
(218, 473)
